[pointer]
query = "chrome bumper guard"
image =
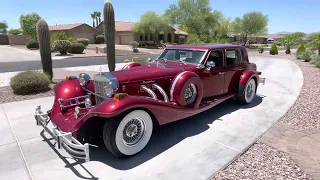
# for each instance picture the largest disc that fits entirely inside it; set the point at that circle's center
(262, 80)
(64, 139)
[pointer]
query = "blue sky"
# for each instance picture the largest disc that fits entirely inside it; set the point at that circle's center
(284, 15)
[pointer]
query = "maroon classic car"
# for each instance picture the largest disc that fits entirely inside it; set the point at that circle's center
(123, 107)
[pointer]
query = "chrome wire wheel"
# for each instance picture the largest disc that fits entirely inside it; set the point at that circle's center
(133, 132)
(191, 93)
(250, 91)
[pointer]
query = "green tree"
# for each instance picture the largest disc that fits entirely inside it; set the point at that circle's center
(3, 27)
(14, 31)
(290, 40)
(152, 23)
(224, 28)
(194, 16)
(250, 25)
(93, 16)
(99, 16)
(314, 43)
(28, 24)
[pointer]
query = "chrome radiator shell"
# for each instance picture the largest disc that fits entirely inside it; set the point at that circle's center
(104, 82)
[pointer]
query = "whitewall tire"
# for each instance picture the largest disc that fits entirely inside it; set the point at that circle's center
(248, 92)
(129, 134)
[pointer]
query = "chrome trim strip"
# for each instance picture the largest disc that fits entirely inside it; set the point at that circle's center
(164, 94)
(64, 139)
(149, 91)
(174, 84)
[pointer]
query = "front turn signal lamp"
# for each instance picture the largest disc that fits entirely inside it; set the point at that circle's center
(70, 77)
(120, 96)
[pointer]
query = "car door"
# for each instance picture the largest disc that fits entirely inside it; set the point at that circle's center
(232, 70)
(213, 78)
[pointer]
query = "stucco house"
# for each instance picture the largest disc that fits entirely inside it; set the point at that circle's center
(124, 34)
(78, 30)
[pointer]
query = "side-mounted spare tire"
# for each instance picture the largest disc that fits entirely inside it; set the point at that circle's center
(186, 89)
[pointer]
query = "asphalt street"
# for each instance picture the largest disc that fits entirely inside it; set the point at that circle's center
(70, 62)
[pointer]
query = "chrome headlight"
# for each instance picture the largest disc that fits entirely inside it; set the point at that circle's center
(84, 79)
(105, 84)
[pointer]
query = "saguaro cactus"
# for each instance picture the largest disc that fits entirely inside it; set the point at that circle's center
(109, 34)
(45, 47)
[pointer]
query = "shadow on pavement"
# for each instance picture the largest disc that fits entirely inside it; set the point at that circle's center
(169, 135)
(162, 139)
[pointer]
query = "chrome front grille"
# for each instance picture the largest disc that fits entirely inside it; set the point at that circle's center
(105, 84)
(99, 89)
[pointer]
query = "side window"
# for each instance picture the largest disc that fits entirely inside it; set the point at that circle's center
(217, 57)
(233, 57)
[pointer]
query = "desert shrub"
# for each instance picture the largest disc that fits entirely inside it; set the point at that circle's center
(126, 61)
(150, 43)
(60, 35)
(100, 39)
(72, 39)
(315, 60)
(32, 44)
(29, 82)
(260, 49)
(76, 48)
(83, 41)
(134, 45)
(62, 46)
(274, 49)
(306, 56)
(301, 48)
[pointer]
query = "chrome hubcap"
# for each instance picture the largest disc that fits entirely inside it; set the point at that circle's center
(249, 90)
(133, 132)
(191, 93)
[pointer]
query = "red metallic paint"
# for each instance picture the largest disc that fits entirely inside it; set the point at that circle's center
(130, 65)
(161, 73)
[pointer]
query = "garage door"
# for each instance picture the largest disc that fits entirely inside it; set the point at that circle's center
(117, 39)
(126, 39)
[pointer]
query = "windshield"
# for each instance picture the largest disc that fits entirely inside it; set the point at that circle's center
(188, 56)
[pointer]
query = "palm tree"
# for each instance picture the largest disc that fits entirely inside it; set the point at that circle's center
(93, 16)
(315, 42)
(96, 16)
(291, 39)
(99, 16)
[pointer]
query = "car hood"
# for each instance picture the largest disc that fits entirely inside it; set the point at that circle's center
(150, 72)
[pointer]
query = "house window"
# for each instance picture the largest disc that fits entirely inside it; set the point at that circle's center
(151, 37)
(141, 37)
(233, 57)
(146, 37)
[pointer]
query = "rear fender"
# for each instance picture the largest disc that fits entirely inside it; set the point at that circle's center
(245, 77)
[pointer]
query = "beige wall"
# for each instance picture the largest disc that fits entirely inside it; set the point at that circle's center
(18, 39)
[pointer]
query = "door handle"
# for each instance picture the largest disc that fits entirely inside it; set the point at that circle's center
(221, 72)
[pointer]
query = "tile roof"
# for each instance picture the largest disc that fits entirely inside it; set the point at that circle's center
(178, 31)
(127, 26)
(61, 27)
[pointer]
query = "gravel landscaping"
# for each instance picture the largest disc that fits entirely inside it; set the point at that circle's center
(8, 96)
(264, 162)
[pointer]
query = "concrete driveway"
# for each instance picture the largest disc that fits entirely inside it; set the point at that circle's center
(195, 148)
(13, 54)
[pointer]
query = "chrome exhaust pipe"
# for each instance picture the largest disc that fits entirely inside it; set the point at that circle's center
(164, 94)
(149, 91)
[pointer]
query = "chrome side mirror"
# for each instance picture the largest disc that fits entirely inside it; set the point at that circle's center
(210, 64)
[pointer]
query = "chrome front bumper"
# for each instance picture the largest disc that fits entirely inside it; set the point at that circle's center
(262, 80)
(64, 139)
